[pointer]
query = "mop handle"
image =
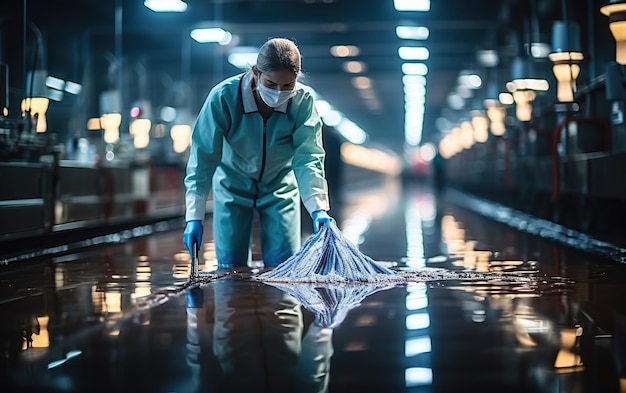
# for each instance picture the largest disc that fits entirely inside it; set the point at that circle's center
(194, 260)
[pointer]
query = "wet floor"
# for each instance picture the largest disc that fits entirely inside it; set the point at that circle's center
(486, 305)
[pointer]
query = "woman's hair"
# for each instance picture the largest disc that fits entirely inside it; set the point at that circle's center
(279, 54)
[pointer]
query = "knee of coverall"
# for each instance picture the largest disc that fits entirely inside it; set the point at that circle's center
(233, 209)
(279, 220)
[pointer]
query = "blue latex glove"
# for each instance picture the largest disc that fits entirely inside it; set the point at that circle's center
(193, 235)
(320, 217)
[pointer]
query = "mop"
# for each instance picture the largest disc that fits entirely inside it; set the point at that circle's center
(329, 257)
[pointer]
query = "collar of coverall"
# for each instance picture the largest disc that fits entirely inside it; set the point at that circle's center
(249, 104)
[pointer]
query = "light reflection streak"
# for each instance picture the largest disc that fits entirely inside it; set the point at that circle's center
(418, 376)
(417, 345)
(417, 321)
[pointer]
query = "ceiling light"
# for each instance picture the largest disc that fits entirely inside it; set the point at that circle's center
(166, 5)
(538, 50)
(344, 51)
(243, 56)
(211, 34)
(322, 107)
(354, 67)
(72, 87)
(332, 118)
(565, 59)
(411, 80)
(414, 69)
(470, 80)
(412, 32)
(615, 11)
(488, 58)
(351, 132)
(411, 5)
(362, 82)
(506, 98)
(413, 53)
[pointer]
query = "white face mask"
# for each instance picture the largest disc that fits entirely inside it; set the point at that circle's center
(273, 97)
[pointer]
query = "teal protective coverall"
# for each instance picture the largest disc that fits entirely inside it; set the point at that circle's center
(251, 164)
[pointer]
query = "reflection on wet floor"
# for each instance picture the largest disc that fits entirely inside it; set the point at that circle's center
(482, 307)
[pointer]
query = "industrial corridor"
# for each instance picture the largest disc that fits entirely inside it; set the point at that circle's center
(167, 168)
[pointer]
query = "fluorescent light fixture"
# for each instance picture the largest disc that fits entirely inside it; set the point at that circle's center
(414, 69)
(351, 132)
(470, 81)
(243, 57)
(413, 53)
(506, 98)
(412, 5)
(412, 32)
(414, 80)
(73, 87)
(168, 114)
(455, 101)
(354, 67)
(488, 58)
(332, 118)
(322, 107)
(345, 51)
(538, 50)
(362, 82)
(166, 5)
(54, 82)
(55, 95)
(211, 34)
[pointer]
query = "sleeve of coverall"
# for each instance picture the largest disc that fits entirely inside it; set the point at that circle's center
(205, 154)
(308, 160)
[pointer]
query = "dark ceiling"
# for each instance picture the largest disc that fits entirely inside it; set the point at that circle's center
(80, 37)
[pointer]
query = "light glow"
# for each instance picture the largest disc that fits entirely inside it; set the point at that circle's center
(414, 69)
(412, 32)
(166, 5)
(211, 34)
(418, 376)
(412, 5)
(413, 53)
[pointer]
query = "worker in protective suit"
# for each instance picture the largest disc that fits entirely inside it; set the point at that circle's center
(257, 144)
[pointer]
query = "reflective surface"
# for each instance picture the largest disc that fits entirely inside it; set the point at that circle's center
(516, 313)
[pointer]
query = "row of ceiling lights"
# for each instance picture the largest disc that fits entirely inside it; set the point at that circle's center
(414, 79)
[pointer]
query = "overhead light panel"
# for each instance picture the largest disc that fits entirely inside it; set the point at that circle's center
(73, 87)
(243, 56)
(166, 5)
(344, 51)
(412, 32)
(413, 53)
(414, 69)
(211, 34)
(354, 67)
(488, 58)
(412, 5)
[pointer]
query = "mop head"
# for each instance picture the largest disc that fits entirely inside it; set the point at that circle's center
(329, 257)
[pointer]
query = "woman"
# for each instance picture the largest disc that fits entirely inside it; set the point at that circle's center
(257, 144)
